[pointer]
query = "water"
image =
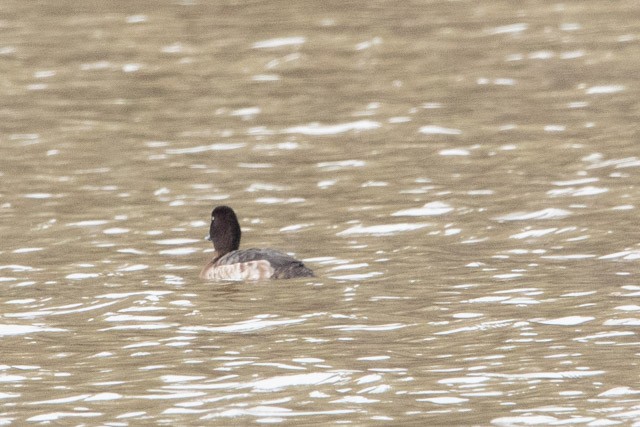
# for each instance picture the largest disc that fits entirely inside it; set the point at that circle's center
(462, 177)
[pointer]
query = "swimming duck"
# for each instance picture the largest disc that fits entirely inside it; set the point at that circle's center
(229, 263)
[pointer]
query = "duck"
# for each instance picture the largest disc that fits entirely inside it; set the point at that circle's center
(231, 263)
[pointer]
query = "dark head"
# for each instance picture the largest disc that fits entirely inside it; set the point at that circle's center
(224, 231)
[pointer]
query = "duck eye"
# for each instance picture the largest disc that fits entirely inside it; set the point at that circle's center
(213, 218)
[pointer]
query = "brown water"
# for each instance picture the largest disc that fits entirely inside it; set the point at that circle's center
(462, 176)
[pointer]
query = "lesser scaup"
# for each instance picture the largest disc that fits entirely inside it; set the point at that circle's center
(229, 263)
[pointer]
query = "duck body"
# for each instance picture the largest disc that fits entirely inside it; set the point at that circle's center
(231, 263)
(255, 264)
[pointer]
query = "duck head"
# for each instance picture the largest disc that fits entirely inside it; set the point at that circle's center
(224, 231)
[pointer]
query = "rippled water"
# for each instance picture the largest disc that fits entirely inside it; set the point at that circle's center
(462, 176)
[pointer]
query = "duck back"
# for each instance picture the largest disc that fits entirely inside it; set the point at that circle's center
(283, 265)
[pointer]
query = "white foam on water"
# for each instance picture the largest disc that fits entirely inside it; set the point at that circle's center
(570, 256)
(576, 181)
(307, 360)
(172, 279)
(135, 267)
(565, 321)
(454, 152)
(10, 330)
(153, 295)
(577, 104)
(623, 322)
(131, 68)
(283, 381)
(555, 128)
(6, 378)
(340, 164)
(355, 399)
(246, 112)
(577, 192)
(78, 308)
(525, 420)
(467, 315)
(139, 309)
(317, 129)
(183, 411)
(131, 318)
(294, 227)
(326, 183)
(265, 186)
(81, 276)
(273, 411)
(429, 209)
(464, 380)
(360, 276)
(604, 89)
(399, 119)
(439, 130)
(521, 301)
(221, 146)
(88, 223)
(367, 379)
(279, 200)
(541, 54)
(547, 375)
(21, 301)
(142, 327)
(179, 251)
(549, 213)
(370, 328)
(632, 254)
(533, 233)
(176, 47)
(479, 327)
(623, 208)
(326, 260)
(487, 299)
(250, 325)
(136, 19)
(349, 266)
(318, 394)
(628, 308)
(26, 250)
(374, 358)
(116, 230)
(597, 161)
(508, 29)
(16, 267)
(619, 391)
(382, 388)
(179, 241)
(7, 396)
(68, 399)
(374, 184)
(380, 230)
(171, 396)
(279, 42)
(266, 78)
(181, 378)
(369, 43)
(446, 400)
(38, 196)
(55, 416)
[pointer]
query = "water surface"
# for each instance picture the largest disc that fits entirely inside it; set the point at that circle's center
(462, 177)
